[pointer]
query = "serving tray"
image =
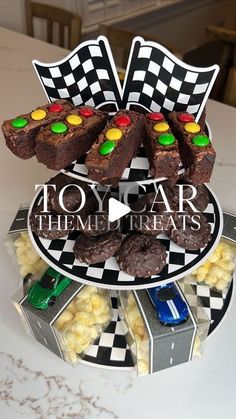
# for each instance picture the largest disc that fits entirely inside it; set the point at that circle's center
(137, 170)
(59, 254)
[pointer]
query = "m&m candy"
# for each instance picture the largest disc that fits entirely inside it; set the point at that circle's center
(113, 134)
(19, 122)
(161, 127)
(107, 147)
(74, 119)
(55, 107)
(192, 127)
(201, 140)
(185, 117)
(38, 114)
(59, 128)
(86, 112)
(166, 139)
(123, 121)
(156, 116)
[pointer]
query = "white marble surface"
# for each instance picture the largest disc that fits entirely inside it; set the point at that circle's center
(36, 384)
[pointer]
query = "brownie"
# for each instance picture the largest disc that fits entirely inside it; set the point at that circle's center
(60, 143)
(115, 147)
(141, 256)
(21, 140)
(98, 221)
(97, 249)
(200, 201)
(161, 147)
(190, 230)
(49, 228)
(71, 196)
(196, 151)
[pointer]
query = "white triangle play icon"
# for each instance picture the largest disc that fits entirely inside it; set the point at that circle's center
(116, 209)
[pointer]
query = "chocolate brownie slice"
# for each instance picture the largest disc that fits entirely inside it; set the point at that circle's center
(60, 143)
(161, 147)
(20, 132)
(115, 147)
(196, 151)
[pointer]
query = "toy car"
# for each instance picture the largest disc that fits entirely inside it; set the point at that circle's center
(170, 307)
(44, 292)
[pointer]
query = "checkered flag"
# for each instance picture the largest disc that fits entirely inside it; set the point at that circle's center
(158, 81)
(86, 76)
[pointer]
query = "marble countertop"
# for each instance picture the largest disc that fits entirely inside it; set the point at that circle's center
(36, 384)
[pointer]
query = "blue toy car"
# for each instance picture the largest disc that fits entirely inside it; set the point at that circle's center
(170, 307)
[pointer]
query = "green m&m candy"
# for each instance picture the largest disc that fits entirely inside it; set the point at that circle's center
(19, 123)
(59, 128)
(166, 139)
(201, 140)
(107, 147)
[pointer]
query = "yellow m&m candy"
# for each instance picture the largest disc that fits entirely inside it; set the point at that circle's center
(192, 127)
(161, 127)
(74, 119)
(113, 134)
(38, 114)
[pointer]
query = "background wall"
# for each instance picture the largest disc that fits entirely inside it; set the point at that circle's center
(181, 25)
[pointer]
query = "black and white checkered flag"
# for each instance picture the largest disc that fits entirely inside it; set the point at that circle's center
(158, 81)
(86, 76)
(155, 79)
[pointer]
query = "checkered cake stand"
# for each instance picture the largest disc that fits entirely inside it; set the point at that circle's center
(111, 349)
(59, 254)
(137, 170)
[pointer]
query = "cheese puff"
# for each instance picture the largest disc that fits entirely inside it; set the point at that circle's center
(78, 328)
(64, 317)
(84, 305)
(87, 290)
(80, 348)
(19, 242)
(93, 332)
(227, 265)
(25, 235)
(70, 340)
(217, 271)
(221, 285)
(104, 318)
(20, 251)
(227, 254)
(211, 280)
(214, 256)
(72, 308)
(100, 311)
(84, 339)
(201, 274)
(96, 300)
(32, 256)
(85, 318)
(22, 259)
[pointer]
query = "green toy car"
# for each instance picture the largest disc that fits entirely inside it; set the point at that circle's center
(44, 292)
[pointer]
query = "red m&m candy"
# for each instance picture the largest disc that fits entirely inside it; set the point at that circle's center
(86, 112)
(185, 117)
(156, 116)
(123, 121)
(56, 107)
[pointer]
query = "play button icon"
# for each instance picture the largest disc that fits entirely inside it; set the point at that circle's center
(116, 210)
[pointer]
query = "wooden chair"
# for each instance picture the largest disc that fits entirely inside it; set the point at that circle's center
(54, 15)
(230, 90)
(120, 41)
(215, 52)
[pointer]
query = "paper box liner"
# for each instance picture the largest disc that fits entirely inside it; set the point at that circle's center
(162, 346)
